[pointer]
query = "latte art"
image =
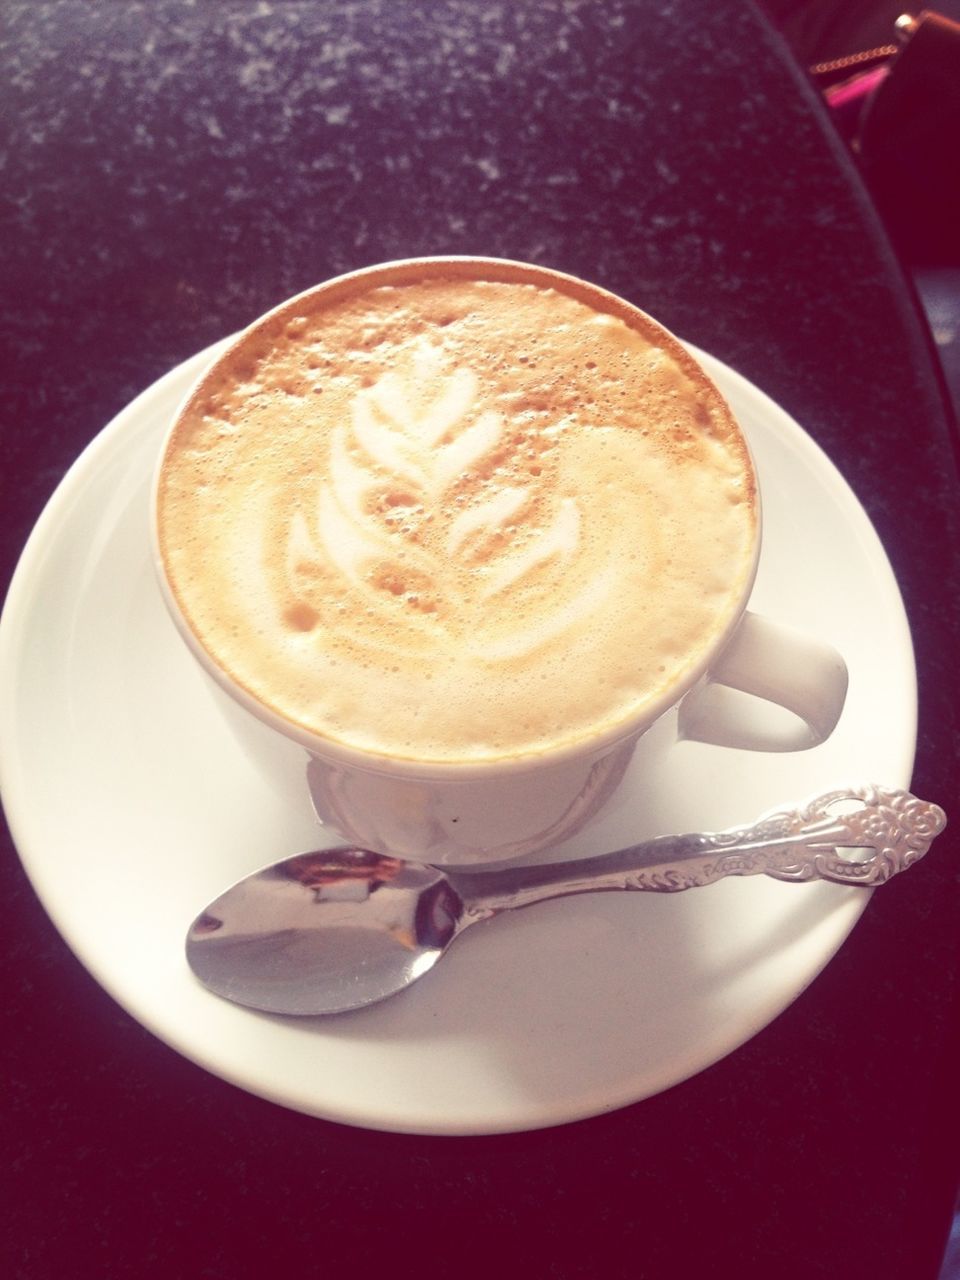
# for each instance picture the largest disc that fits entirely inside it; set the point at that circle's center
(414, 519)
(457, 515)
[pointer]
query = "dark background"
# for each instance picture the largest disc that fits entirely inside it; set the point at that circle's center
(169, 170)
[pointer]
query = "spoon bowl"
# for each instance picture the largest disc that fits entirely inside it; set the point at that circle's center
(370, 924)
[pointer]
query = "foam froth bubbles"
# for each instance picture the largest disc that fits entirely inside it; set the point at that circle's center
(459, 515)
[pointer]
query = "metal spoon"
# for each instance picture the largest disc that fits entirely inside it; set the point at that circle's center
(333, 930)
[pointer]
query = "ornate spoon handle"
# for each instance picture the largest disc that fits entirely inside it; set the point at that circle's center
(859, 836)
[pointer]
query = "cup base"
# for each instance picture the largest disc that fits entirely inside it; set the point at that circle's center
(465, 823)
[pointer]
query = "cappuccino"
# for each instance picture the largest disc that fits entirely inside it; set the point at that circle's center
(457, 511)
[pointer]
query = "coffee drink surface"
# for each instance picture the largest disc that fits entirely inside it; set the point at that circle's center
(457, 513)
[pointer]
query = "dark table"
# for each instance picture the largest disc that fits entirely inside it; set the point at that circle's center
(169, 170)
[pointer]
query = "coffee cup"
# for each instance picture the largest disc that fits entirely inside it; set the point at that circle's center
(450, 534)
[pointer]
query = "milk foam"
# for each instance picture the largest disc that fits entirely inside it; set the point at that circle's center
(456, 519)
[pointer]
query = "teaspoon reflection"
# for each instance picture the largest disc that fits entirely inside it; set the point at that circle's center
(336, 929)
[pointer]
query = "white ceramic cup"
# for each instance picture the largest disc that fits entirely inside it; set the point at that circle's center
(457, 814)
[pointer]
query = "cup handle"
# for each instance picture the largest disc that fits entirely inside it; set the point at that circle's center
(785, 667)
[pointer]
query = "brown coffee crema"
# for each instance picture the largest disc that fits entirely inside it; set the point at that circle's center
(457, 512)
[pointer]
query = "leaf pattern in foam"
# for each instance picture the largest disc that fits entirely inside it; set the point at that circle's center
(400, 448)
(375, 429)
(447, 412)
(548, 625)
(352, 538)
(470, 525)
(559, 540)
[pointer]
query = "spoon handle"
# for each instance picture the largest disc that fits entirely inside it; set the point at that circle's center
(862, 835)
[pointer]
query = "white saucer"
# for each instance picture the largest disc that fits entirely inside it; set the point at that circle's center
(132, 806)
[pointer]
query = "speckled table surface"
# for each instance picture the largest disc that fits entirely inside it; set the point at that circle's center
(170, 170)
